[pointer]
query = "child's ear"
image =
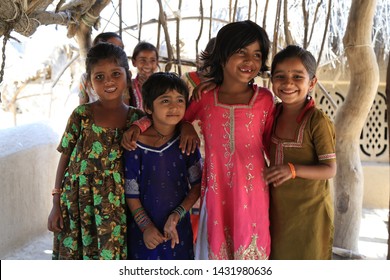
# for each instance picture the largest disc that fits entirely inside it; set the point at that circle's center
(133, 62)
(313, 82)
(148, 111)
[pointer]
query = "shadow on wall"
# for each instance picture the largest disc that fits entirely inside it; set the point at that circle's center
(28, 160)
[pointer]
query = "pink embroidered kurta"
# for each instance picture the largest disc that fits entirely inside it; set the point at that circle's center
(234, 222)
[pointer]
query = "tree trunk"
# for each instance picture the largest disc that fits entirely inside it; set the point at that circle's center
(84, 28)
(388, 126)
(350, 120)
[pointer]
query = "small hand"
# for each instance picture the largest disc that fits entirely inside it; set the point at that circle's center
(152, 237)
(277, 175)
(170, 231)
(189, 139)
(130, 137)
(55, 223)
(203, 87)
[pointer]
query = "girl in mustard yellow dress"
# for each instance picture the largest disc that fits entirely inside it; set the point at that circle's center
(303, 160)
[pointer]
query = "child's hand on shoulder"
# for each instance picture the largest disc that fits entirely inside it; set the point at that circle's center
(130, 138)
(189, 139)
(202, 88)
(152, 237)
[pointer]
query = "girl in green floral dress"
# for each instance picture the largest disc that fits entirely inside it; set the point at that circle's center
(88, 217)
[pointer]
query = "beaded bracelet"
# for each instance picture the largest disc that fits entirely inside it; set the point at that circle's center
(141, 218)
(292, 168)
(56, 191)
(180, 211)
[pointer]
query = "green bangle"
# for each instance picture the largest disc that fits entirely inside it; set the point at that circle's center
(180, 211)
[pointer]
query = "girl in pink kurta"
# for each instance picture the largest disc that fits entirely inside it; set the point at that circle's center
(236, 119)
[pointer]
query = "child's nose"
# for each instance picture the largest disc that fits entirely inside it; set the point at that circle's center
(288, 80)
(109, 79)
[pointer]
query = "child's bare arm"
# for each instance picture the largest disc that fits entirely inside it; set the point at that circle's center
(170, 231)
(130, 136)
(55, 222)
(151, 235)
(278, 174)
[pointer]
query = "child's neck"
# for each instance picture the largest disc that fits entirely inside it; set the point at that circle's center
(157, 135)
(292, 109)
(110, 114)
(163, 129)
(230, 93)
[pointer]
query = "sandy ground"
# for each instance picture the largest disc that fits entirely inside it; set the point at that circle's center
(372, 240)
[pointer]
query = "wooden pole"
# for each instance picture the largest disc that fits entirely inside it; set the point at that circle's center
(388, 147)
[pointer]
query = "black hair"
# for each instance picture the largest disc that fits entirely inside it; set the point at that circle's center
(104, 37)
(230, 39)
(144, 46)
(291, 51)
(159, 83)
(106, 51)
(209, 49)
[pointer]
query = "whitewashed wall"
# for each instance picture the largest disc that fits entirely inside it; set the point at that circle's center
(28, 163)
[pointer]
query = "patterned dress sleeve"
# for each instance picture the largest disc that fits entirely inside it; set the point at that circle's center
(132, 163)
(194, 168)
(324, 137)
(194, 109)
(269, 125)
(72, 131)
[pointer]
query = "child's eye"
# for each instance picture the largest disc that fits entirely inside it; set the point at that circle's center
(116, 74)
(99, 77)
(298, 77)
(181, 100)
(278, 77)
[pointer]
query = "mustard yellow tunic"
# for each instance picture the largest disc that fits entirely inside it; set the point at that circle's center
(301, 210)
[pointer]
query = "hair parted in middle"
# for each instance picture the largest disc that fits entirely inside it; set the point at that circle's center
(106, 51)
(293, 51)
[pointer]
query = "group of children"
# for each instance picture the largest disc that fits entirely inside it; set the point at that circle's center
(263, 182)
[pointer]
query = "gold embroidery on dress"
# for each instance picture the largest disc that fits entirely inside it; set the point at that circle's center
(252, 252)
(226, 249)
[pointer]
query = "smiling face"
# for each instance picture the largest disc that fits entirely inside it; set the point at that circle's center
(291, 81)
(146, 63)
(168, 108)
(108, 79)
(243, 65)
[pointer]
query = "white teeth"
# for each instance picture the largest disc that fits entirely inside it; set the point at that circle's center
(246, 70)
(109, 90)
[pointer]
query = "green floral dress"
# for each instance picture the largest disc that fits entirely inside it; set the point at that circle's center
(92, 201)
